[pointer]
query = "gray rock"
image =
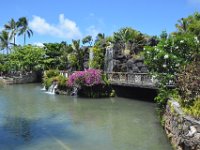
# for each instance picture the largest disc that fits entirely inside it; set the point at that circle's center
(135, 70)
(86, 65)
(144, 70)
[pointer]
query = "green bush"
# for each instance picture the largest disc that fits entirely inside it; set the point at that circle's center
(47, 82)
(62, 82)
(98, 59)
(194, 110)
(169, 58)
(188, 83)
(51, 73)
(49, 77)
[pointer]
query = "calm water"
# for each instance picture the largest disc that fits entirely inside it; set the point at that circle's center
(33, 120)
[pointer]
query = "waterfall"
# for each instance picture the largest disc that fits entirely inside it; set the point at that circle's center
(52, 88)
(108, 62)
(75, 91)
(91, 56)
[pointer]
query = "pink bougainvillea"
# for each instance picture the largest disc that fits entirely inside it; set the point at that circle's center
(88, 77)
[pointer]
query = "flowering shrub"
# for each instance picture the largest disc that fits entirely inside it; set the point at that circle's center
(167, 60)
(88, 77)
(170, 54)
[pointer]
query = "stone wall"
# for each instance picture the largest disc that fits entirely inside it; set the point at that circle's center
(182, 130)
(26, 78)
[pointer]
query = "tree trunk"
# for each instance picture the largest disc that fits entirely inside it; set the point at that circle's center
(7, 51)
(24, 38)
(14, 41)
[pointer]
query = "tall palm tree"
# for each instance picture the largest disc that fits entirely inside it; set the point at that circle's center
(12, 27)
(79, 53)
(24, 28)
(5, 41)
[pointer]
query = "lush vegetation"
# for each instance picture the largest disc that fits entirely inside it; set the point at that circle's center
(171, 58)
(90, 83)
(54, 76)
(175, 60)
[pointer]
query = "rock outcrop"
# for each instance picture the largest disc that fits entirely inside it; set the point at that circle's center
(126, 63)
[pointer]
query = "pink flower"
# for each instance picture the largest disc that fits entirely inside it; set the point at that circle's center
(88, 77)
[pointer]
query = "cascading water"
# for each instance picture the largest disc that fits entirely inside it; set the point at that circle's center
(44, 88)
(108, 62)
(91, 56)
(75, 91)
(52, 88)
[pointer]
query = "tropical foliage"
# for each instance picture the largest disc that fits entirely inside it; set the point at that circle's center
(56, 55)
(171, 58)
(87, 39)
(5, 41)
(90, 83)
(188, 83)
(26, 58)
(11, 30)
(24, 28)
(175, 59)
(130, 40)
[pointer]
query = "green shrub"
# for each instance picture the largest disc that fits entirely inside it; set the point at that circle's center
(98, 59)
(188, 83)
(194, 110)
(51, 73)
(164, 94)
(105, 79)
(48, 82)
(62, 82)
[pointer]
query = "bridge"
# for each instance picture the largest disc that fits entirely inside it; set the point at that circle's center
(126, 79)
(141, 80)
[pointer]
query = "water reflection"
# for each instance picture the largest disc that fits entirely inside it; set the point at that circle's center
(20, 127)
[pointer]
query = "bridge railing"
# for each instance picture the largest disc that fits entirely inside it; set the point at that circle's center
(132, 78)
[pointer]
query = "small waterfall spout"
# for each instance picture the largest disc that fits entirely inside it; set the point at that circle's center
(44, 88)
(75, 91)
(52, 88)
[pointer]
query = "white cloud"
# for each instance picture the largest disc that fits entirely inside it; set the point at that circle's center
(93, 31)
(65, 28)
(39, 44)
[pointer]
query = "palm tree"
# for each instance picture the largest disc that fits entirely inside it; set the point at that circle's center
(79, 54)
(87, 39)
(24, 28)
(182, 25)
(12, 26)
(100, 40)
(5, 41)
(124, 36)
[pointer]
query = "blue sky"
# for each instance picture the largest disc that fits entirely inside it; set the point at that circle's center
(63, 20)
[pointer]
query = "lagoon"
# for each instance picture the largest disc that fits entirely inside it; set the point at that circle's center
(30, 119)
